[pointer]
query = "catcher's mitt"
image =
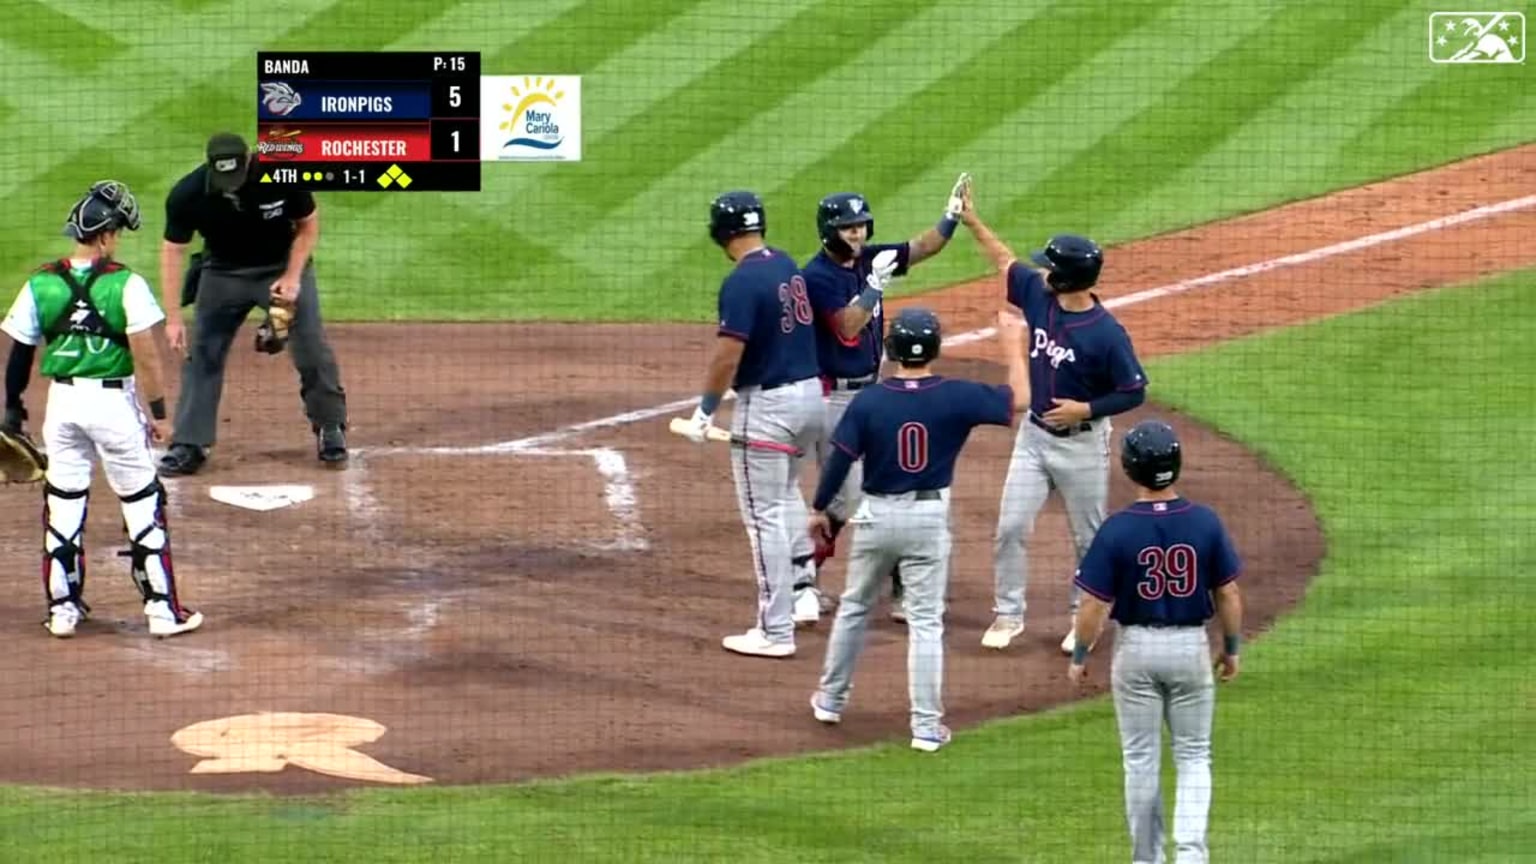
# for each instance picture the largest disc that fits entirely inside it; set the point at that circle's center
(272, 335)
(20, 460)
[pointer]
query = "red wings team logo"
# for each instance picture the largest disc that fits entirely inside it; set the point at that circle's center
(281, 144)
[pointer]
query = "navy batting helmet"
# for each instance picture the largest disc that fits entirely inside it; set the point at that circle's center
(1150, 454)
(1074, 262)
(107, 206)
(734, 213)
(913, 338)
(842, 210)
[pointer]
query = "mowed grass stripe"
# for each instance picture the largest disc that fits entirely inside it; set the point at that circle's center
(753, 112)
(1109, 178)
(786, 128)
(1447, 113)
(643, 79)
(1050, 129)
(1291, 148)
(962, 105)
(162, 71)
(74, 44)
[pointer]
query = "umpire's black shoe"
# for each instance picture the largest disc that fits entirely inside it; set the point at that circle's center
(181, 460)
(331, 443)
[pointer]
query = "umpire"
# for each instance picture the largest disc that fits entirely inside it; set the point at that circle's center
(257, 243)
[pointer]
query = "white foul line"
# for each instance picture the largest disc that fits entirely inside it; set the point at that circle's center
(532, 443)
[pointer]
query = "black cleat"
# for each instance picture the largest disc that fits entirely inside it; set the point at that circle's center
(331, 444)
(181, 460)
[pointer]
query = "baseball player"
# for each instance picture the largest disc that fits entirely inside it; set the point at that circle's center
(1083, 370)
(258, 240)
(909, 430)
(766, 352)
(1165, 565)
(846, 286)
(93, 316)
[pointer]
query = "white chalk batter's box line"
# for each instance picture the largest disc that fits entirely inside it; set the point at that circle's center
(619, 490)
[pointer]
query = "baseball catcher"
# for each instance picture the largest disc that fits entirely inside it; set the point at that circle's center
(94, 318)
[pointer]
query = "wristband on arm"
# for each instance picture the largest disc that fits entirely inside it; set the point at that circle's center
(157, 408)
(946, 226)
(867, 299)
(1231, 644)
(709, 402)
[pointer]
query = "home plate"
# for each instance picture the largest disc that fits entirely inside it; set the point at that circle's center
(261, 497)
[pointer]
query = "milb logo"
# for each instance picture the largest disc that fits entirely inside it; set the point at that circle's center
(1476, 37)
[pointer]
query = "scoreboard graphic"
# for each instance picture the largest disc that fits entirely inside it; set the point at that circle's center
(418, 121)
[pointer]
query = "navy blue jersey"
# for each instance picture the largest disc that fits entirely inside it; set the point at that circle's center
(909, 432)
(1072, 355)
(832, 287)
(1158, 562)
(764, 304)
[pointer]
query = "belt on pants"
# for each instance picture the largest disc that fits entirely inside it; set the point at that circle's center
(1061, 431)
(764, 388)
(106, 383)
(916, 494)
(1166, 625)
(852, 383)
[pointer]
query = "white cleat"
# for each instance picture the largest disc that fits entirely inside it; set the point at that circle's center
(1003, 631)
(824, 715)
(755, 643)
(931, 742)
(163, 623)
(62, 620)
(807, 606)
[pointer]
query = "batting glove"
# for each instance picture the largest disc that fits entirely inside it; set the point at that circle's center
(697, 425)
(881, 270)
(956, 203)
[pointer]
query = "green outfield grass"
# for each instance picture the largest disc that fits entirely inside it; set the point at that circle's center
(1386, 720)
(1117, 119)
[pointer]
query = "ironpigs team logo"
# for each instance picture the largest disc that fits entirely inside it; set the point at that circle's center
(283, 144)
(279, 98)
(530, 118)
(1477, 37)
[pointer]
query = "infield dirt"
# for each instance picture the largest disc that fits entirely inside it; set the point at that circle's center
(490, 610)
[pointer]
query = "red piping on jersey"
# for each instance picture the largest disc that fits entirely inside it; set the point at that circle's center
(1136, 510)
(843, 447)
(732, 333)
(901, 385)
(1107, 598)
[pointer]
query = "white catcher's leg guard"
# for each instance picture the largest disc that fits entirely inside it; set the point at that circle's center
(149, 549)
(64, 547)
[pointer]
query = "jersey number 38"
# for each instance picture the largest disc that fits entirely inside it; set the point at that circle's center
(1169, 571)
(795, 303)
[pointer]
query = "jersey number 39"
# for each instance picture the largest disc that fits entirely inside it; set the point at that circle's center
(1169, 571)
(795, 303)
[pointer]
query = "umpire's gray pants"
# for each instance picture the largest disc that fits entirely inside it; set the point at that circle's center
(224, 298)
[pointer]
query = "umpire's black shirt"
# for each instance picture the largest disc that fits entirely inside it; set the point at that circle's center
(253, 230)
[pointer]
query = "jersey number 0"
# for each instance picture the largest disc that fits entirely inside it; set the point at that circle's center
(795, 303)
(912, 447)
(1169, 571)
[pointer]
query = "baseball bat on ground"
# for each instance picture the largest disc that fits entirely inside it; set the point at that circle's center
(679, 426)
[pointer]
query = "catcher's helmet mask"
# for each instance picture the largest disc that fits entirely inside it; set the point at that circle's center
(914, 337)
(1073, 262)
(108, 206)
(1151, 455)
(735, 213)
(838, 211)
